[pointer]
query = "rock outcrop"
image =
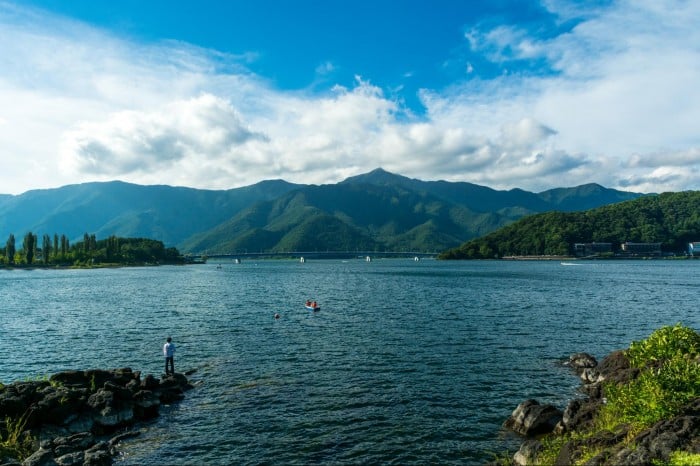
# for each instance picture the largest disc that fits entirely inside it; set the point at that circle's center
(653, 445)
(69, 418)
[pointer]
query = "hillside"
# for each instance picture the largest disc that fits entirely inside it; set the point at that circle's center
(346, 217)
(166, 213)
(378, 211)
(672, 219)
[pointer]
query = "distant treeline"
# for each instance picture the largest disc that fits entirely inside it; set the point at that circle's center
(671, 219)
(57, 250)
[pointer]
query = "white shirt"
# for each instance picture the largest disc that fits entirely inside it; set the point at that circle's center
(169, 350)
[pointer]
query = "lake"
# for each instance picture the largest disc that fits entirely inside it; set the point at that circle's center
(406, 362)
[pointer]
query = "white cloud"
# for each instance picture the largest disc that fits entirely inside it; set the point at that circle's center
(620, 108)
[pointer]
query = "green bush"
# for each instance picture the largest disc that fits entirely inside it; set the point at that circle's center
(665, 343)
(670, 378)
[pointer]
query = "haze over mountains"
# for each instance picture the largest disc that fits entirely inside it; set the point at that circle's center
(375, 211)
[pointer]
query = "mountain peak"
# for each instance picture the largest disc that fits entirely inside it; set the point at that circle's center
(377, 176)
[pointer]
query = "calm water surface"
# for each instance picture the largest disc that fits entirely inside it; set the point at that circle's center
(407, 362)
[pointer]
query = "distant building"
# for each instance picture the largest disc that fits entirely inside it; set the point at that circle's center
(646, 249)
(694, 248)
(590, 249)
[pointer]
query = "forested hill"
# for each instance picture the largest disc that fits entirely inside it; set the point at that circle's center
(672, 219)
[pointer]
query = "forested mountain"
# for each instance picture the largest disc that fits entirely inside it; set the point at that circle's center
(166, 213)
(672, 219)
(376, 211)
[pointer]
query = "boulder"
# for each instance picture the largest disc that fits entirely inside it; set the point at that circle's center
(578, 415)
(531, 418)
(527, 453)
(615, 367)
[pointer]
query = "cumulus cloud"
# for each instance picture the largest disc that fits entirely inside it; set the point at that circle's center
(128, 142)
(619, 106)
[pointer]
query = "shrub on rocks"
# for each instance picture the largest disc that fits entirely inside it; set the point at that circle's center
(643, 407)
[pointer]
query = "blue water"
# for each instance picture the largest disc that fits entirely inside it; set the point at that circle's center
(406, 362)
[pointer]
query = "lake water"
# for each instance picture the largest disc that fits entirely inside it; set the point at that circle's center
(406, 362)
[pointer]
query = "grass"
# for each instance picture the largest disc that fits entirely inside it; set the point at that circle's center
(13, 443)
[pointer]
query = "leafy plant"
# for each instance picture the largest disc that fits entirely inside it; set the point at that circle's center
(664, 344)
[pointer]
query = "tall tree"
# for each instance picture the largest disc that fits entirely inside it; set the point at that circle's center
(64, 247)
(29, 247)
(46, 249)
(10, 249)
(55, 245)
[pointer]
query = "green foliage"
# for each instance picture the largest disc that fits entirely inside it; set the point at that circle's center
(684, 458)
(670, 377)
(91, 252)
(664, 344)
(672, 219)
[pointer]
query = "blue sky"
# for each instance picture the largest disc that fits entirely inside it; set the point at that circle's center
(213, 94)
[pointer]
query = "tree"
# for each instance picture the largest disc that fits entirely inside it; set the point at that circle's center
(46, 249)
(29, 247)
(64, 247)
(10, 249)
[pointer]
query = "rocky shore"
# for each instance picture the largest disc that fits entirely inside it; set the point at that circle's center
(78, 417)
(578, 436)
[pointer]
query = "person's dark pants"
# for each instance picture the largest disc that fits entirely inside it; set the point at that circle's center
(169, 362)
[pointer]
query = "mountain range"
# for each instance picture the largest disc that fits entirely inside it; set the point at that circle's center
(374, 211)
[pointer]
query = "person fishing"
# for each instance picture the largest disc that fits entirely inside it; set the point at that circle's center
(169, 353)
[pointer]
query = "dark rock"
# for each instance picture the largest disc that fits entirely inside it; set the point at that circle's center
(175, 380)
(99, 455)
(149, 383)
(71, 459)
(60, 405)
(17, 397)
(146, 404)
(133, 386)
(124, 375)
(119, 391)
(667, 436)
(579, 414)
(531, 418)
(98, 377)
(77, 442)
(101, 399)
(616, 368)
(70, 378)
(64, 416)
(41, 457)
